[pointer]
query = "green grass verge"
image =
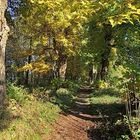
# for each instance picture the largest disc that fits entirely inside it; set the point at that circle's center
(28, 120)
(106, 104)
(105, 99)
(110, 108)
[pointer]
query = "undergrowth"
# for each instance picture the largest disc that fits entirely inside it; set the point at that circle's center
(110, 108)
(26, 118)
(63, 97)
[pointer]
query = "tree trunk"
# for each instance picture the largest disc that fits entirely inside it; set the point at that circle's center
(90, 74)
(105, 55)
(28, 74)
(62, 67)
(61, 62)
(105, 64)
(3, 38)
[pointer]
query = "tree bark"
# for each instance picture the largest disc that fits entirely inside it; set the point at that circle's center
(28, 74)
(3, 39)
(105, 64)
(105, 55)
(61, 62)
(62, 67)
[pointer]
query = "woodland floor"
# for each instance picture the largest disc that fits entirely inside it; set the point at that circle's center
(78, 123)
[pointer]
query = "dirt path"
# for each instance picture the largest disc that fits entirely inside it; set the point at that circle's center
(75, 124)
(78, 124)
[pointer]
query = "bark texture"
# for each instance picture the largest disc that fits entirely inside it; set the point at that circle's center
(3, 39)
(62, 67)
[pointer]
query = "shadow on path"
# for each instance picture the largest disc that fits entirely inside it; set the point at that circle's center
(85, 121)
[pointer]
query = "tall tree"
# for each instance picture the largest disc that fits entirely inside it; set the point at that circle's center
(56, 29)
(3, 38)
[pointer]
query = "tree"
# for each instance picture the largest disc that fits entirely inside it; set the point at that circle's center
(109, 17)
(56, 30)
(3, 38)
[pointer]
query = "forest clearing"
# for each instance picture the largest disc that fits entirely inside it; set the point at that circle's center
(69, 70)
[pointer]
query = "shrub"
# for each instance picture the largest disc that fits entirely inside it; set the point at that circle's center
(41, 94)
(64, 98)
(64, 94)
(102, 84)
(134, 125)
(56, 83)
(59, 83)
(16, 93)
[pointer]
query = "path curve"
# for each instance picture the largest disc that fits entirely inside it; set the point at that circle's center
(76, 124)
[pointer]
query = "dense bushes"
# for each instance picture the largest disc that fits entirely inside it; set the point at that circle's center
(59, 83)
(19, 94)
(63, 97)
(63, 92)
(134, 126)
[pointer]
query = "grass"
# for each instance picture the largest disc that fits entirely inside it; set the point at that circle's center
(105, 99)
(110, 108)
(28, 120)
(106, 102)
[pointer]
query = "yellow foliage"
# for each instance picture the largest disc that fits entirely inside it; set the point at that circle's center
(114, 51)
(103, 84)
(25, 68)
(56, 16)
(39, 67)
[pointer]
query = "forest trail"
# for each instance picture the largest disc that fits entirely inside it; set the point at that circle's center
(76, 123)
